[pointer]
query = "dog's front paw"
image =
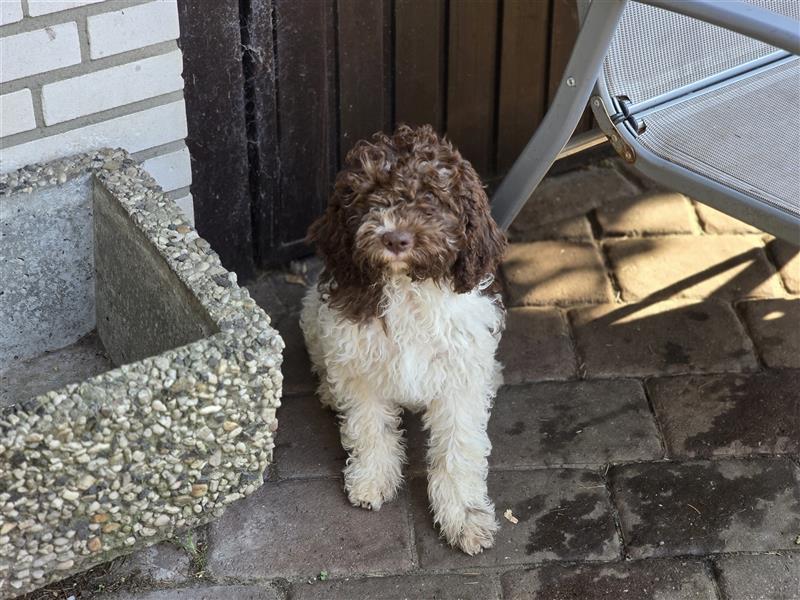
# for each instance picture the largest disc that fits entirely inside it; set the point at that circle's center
(369, 494)
(475, 532)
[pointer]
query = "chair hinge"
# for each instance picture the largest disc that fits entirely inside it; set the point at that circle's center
(635, 123)
(610, 126)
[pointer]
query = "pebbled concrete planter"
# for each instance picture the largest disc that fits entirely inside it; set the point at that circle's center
(123, 459)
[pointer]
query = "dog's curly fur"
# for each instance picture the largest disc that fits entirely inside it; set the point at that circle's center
(414, 326)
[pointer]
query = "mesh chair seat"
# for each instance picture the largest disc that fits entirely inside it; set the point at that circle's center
(744, 135)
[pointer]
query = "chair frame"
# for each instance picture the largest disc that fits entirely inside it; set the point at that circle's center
(582, 81)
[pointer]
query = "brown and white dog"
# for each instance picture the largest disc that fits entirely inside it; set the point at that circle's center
(405, 317)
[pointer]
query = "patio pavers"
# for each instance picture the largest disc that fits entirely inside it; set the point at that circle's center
(729, 414)
(556, 272)
(563, 514)
(717, 222)
(775, 328)
(655, 212)
(704, 507)
(754, 577)
(725, 266)
(648, 447)
(787, 260)
(536, 345)
(643, 580)
(525, 228)
(299, 528)
(673, 336)
(403, 587)
(572, 423)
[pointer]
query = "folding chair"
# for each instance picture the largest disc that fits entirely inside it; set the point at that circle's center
(702, 96)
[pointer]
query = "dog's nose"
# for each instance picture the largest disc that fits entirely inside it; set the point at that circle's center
(398, 241)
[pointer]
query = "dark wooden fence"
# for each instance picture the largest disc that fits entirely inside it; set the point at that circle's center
(279, 90)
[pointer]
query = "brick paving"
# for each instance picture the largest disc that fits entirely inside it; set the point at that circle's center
(647, 440)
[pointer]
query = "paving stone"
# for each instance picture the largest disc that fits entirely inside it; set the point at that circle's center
(300, 528)
(638, 580)
(661, 339)
(536, 345)
(729, 415)
(263, 291)
(403, 587)
(559, 272)
(775, 328)
(307, 441)
(760, 577)
(161, 563)
(576, 193)
(572, 423)
(654, 212)
(416, 444)
(787, 259)
(211, 592)
(296, 368)
(563, 514)
(717, 222)
(527, 227)
(728, 267)
(707, 507)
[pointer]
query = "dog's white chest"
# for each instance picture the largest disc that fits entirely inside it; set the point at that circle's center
(428, 338)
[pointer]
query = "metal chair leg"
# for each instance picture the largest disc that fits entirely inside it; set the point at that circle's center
(583, 68)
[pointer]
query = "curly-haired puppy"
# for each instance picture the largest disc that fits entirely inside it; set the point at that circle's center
(405, 317)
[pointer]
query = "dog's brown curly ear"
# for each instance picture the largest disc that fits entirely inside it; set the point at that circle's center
(484, 242)
(333, 240)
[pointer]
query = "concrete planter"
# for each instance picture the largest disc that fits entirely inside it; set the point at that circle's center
(124, 458)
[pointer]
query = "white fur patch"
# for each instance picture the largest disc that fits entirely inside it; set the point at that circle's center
(433, 350)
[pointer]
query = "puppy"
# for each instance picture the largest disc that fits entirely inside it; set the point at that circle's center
(405, 316)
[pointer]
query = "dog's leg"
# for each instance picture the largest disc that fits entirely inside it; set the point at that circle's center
(370, 431)
(457, 468)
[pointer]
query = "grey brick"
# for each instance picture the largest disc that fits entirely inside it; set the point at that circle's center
(718, 222)
(296, 368)
(575, 422)
(210, 592)
(402, 587)
(728, 267)
(563, 514)
(760, 577)
(787, 259)
(536, 345)
(639, 580)
(775, 327)
(576, 193)
(655, 212)
(556, 272)
(160, 564)
(669, 509)
(660, 339)
(729, 415)
(299, 528)
(307, 441)
(527, 228)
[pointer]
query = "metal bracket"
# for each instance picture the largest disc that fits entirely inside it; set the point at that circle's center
(609, 125)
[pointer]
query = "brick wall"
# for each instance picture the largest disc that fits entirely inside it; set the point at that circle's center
(82, 74)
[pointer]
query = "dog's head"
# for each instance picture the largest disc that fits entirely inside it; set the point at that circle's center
(408, 204)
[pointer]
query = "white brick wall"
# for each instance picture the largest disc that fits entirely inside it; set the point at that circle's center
(132, 28)
(44, 7)
(124, 84)
(10, 11)
(16, 112)
(76, 75)
(172, 171)
(38, 51)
